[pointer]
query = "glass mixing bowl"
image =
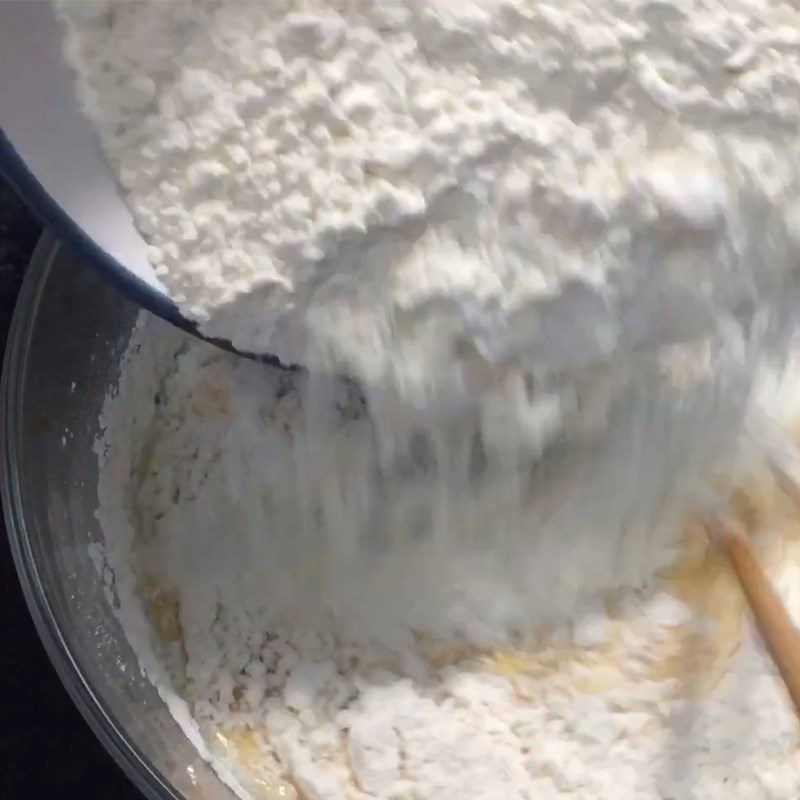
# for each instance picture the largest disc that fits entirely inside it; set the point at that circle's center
(68, 332)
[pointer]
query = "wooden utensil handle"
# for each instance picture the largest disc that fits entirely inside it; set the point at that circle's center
(780, 635)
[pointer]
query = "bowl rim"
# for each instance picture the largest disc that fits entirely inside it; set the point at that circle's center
(65, 231)
(97, 715)
(15, 171)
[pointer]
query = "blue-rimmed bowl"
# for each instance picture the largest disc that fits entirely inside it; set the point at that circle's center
(49, 153)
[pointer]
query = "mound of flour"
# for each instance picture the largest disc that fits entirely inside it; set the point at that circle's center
(282, 589)
(400, 191)
(500, 203)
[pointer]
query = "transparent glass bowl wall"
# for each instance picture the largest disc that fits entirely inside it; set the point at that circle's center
(68, 332)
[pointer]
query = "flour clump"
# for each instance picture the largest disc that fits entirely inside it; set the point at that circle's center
(396, 190)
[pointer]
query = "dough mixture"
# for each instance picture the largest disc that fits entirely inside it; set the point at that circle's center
(285, 590)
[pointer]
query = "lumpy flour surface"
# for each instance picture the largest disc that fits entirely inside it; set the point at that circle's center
(227, 490)
(500, 204)
(401, 190)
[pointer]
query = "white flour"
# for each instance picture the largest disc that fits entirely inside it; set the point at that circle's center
(410, 193)
(397, 190)
(402, 672)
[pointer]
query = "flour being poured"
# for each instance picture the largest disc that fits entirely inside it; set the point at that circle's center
(401, 191)
(538, 235)
(282, 587)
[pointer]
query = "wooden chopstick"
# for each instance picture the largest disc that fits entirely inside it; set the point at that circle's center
(781, 637)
